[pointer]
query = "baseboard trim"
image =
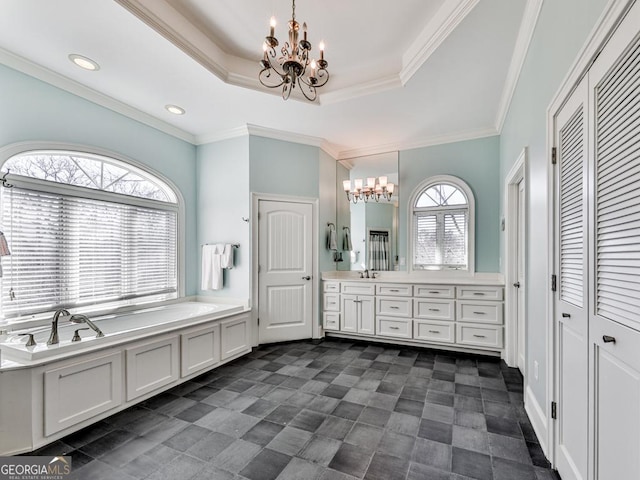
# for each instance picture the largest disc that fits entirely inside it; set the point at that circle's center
(538, 419)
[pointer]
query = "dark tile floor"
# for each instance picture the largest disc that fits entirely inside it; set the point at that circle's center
(338, 410)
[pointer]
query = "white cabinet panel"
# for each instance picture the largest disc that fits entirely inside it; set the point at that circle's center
(200, 349)
(434, 309)
(367, 319)
(395, 307)
(358, 314)
(479, 335)
(332, 287)
(394, 290)
(331, 321)
(331, 302)
(434, 291)
(435, 331)
(234, 336)
(394, 327)
(77, 392)
(482, 312)
(151, 365)
(359, 288)
(479, 293)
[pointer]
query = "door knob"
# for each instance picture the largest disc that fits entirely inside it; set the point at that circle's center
(517, 284)
(306, 278)
(608, 339)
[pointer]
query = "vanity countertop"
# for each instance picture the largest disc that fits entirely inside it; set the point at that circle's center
(418, 278)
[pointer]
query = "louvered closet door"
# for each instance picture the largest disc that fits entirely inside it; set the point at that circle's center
(571, 318)
(615, 253)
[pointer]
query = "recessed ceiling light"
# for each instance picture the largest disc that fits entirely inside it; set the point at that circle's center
(84, 62)
(176, 110)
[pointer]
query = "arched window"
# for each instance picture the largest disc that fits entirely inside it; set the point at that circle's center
(85, 229)
(442, 230)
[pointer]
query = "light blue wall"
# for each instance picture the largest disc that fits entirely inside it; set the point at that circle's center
(561, 31)
(477, 162)
(32, 110)
(223, 199)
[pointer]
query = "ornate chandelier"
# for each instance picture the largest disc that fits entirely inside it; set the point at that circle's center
(372, 190)
(294, 65)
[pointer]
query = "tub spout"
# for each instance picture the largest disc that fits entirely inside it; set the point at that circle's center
(84, 319)
(53, 338)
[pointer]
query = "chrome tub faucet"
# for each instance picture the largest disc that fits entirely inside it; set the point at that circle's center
(53, 338)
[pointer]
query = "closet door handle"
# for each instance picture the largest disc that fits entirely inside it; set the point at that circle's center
(566, 315)
(608, 339)
(306, 278)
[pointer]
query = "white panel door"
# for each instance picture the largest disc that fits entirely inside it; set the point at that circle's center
(571, 316)
(521, 252)
(285, 246)
(614, 81)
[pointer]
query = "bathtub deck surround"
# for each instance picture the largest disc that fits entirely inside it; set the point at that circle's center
(339, 410)
(51, 390)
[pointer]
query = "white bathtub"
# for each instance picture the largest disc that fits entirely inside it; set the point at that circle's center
(116, 328)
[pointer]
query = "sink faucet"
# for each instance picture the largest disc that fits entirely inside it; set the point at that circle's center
(53, 338)
(366, 273)
(84, 319)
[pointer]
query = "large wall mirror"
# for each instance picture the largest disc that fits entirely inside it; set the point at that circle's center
(367, 231)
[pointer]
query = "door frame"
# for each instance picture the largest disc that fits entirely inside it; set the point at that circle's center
(516, 175)
(612, 15)
(256, 198)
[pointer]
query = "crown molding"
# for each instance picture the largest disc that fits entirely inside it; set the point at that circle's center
(65, 83)
(525, 35)
(222, 135)
(367, 88)
(437, 30)
(426, 142)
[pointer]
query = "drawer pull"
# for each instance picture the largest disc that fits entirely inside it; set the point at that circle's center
(394, 290)
(434, 291)
(479, 293)
(434, 331)
(434, 309)
(331, 303)
(394, 328)
(394, 308)
(608, 339)
(479, 313)
(480, 336)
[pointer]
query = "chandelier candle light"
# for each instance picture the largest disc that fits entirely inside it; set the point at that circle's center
(372, 189)
(295, 64)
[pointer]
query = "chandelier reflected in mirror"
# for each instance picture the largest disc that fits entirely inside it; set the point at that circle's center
(373, 189)
(292, 64)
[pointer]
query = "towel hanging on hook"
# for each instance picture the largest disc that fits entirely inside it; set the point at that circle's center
(332, 240)
(346, 239)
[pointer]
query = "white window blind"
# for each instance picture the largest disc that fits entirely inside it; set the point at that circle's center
(440, 239)
(72, 251)
(617, 194)
(572, 160)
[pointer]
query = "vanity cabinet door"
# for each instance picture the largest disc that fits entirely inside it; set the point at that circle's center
(80, 391)
(350, 312)
(199, 349)
(151, 365)
(367, 321)
(234, 336)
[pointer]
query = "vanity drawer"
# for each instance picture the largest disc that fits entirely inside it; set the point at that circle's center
(331, 302)
(480, 293)
(434, 291)
(434, 309)
(479, 335)
(359, 288)
(394, 290)
(394, 327)
(332, 287)
(395, 307)
(331, 321)
(482, 312)
(434, 331)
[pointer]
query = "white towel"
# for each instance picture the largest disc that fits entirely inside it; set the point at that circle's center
(332, 241)
(227, 255)
(212, 267)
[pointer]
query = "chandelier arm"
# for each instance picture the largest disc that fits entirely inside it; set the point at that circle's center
(268, 71)
(312, 90)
